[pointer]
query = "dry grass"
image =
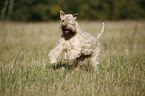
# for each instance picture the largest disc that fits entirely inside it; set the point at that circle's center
(25, 69)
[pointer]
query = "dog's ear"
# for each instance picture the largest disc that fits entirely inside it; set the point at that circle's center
(61, 14)
(75, 15)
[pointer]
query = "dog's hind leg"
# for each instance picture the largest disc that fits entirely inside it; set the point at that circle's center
(94, 60)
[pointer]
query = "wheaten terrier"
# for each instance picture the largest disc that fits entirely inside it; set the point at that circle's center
(75, 45)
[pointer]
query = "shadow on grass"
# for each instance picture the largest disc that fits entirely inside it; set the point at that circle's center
(70, 67)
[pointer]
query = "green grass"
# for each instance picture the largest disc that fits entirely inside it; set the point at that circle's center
(25, 68)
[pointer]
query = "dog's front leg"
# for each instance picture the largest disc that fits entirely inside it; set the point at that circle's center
(74, 53)
(55, 54)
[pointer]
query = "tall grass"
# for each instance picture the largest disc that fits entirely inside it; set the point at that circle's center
(25, 68)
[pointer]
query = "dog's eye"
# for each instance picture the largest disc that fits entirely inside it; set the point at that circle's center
(62, 20)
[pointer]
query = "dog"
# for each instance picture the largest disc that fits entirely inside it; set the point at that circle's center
(75, 45)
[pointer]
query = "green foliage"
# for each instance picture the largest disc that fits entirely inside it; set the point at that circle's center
(45, 10)
(25, 68)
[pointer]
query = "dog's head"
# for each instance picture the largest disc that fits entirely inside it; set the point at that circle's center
(68, 23)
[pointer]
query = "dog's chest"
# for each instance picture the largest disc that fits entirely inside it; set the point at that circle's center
(70, 44)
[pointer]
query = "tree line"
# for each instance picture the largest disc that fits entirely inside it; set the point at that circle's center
(47, 10)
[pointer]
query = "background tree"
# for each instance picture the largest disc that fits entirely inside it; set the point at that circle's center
(46, 10)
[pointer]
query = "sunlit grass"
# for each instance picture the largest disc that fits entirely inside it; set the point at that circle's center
(25, 68)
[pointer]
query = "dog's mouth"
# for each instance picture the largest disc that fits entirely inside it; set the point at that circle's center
(67, 31)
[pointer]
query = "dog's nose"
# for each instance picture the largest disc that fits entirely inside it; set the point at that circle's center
(64, 27)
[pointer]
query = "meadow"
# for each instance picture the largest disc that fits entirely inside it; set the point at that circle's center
(25, 68)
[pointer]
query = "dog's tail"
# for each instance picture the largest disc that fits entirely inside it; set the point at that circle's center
(99, 35)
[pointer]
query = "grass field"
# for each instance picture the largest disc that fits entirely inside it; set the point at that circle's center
(25, 68)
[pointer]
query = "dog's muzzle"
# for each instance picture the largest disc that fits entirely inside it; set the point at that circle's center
(66, 30)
